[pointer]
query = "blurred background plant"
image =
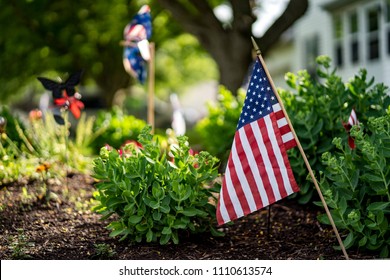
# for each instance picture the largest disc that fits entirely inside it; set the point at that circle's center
(41, 141)
(116, 128)
(216, 131)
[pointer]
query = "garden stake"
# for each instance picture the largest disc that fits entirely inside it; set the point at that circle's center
(269, 222)
(65, 117)
(151, 87)
(258, 53)
(137, 51)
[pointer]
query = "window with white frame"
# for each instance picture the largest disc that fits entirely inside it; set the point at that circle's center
(361, 32)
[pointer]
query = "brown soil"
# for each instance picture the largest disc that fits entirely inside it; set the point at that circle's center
(66, 229)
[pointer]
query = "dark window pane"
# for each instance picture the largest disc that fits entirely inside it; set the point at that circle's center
(373, 20)
(373, 48)
(353, 23)
(339, 55)
(388, 10)
(337, 27)
(388, 41)
(355, 51)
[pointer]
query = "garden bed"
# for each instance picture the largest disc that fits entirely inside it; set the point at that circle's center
(67, 229)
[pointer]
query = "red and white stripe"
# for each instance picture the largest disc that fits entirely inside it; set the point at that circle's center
(353, 118)
(287, 135)
(258, 172)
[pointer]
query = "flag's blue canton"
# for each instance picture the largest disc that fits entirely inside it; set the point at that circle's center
(259, 97)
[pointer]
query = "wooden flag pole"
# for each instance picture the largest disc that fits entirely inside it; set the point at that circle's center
(150, 116)
(269, 222)
(258, 52)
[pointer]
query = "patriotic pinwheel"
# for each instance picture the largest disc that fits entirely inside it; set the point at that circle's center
(136, 50)
(65, 96)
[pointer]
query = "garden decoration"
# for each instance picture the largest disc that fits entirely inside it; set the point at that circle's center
(65, 96)
(138, 52)
(136, 45)
(351, 122)
(258, 171)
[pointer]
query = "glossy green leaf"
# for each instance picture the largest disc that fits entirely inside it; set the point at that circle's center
(135, 219)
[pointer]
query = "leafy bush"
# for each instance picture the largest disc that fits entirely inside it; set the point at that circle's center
(356, 186)
(117, 128)
(155, 197)
(217, 130)
(318, 107)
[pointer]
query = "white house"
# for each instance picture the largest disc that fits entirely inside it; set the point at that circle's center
(354, 33)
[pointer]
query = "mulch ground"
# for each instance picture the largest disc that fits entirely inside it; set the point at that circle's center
(66, 229)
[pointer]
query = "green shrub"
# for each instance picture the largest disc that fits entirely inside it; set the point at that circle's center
(156, 197)
(318, 107)
(356, 186)
(117, 128)
(216, 131)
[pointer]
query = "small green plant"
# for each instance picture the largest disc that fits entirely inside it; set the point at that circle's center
(19, 246)
(103, 251)
(356, 186)
(156, 196)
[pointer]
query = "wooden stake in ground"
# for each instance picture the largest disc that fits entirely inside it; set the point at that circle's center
(258, 52)
(151, 79)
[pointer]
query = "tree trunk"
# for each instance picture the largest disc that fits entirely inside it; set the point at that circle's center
(231, 47)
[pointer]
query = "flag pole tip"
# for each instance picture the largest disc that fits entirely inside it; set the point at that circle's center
(255, 46)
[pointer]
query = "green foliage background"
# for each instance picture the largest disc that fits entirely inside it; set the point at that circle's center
(216, 131)
(55, 38)
(116, 128)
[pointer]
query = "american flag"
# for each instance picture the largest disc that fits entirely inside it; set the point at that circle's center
(353, 118)
(258, 172)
